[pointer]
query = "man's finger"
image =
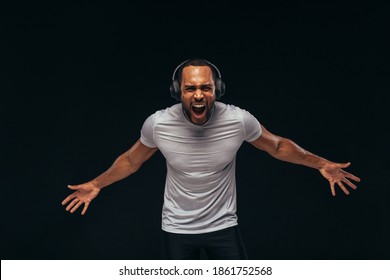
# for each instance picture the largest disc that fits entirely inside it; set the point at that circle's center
(351, 176)
(74, 201)
(332, 189)
(345, 165)
(76, 206)
(85, 208)
(349, 183)
(66, 200)
(343, 188)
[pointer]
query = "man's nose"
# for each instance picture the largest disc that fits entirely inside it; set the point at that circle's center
(198, 94)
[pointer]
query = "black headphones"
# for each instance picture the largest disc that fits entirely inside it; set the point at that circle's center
(175, 86)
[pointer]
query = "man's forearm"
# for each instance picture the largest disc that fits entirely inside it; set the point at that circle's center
(119, 170)
(291, 152)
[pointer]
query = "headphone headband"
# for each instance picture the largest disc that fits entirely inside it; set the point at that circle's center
(184, 62)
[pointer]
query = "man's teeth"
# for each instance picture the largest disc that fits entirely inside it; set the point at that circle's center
(199, 106)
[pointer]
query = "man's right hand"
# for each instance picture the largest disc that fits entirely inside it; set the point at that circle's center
(83, 193)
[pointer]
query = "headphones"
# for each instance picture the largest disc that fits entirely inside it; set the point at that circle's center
(175, 86)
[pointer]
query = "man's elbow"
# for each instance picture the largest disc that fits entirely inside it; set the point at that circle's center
(281, 148)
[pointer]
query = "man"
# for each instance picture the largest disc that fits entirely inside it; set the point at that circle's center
(199, 137)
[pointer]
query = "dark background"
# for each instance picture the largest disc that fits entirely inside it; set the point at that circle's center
(78, 80)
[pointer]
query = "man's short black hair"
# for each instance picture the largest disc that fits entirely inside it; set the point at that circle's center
(196, 62)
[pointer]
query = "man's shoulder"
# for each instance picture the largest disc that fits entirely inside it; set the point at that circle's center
(172, 112)
(228, 109)
(232, 112)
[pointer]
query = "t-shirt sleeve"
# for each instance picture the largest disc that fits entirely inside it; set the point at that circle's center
(147, 132)
(252, 126)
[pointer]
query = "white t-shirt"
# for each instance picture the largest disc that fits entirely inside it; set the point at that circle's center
(200, 187)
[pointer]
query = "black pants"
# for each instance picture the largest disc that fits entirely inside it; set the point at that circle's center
(225, 244)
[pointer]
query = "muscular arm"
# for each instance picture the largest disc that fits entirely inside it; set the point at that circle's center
(286, 150)
(125, 165)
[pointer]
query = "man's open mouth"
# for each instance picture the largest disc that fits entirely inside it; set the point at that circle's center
(198, 109)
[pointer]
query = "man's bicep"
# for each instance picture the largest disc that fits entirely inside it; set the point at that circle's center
(267, 141)
(139, 153)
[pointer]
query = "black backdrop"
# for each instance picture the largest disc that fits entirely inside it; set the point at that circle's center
(78, 80)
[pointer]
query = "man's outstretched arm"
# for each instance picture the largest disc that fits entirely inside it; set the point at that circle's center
(286, 150)
(125, 165)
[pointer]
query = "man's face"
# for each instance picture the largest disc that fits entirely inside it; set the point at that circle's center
(197, 93)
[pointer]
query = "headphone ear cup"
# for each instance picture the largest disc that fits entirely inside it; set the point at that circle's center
(219, 88)
(222, 89)
(175, 90)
